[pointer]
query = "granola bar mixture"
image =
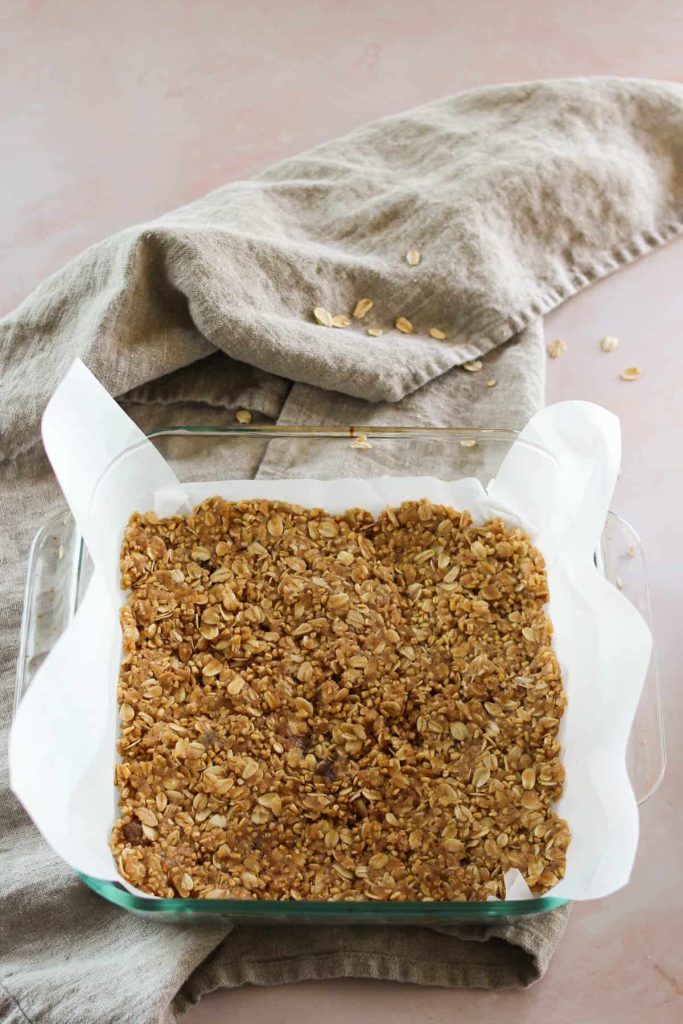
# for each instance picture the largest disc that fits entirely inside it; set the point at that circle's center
(336, 707)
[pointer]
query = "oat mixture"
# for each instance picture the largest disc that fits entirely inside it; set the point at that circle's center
(336, 707)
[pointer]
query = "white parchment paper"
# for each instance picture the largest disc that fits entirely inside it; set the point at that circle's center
(557, 486)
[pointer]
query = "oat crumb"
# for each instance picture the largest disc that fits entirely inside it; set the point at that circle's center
(323, 316)
(557, 348)
(362, 307)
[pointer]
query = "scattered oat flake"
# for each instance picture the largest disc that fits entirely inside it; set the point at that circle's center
(361, 442)
(340, 321)
(630, 373)
(468, 442)
(608, 343)
(404, 326)
(363, 306)
(474, 366)
(243, 416)
(322, 316)
(437, 333)
(557, 348)
(491, 383)
(619, 582)
(631, 551)
(375, 332)
(413, 257)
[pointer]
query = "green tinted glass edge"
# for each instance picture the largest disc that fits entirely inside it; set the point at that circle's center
(289, 910)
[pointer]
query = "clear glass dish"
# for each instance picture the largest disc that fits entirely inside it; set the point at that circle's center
(59, 570)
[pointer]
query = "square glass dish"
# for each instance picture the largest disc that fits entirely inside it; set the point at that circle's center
(59, 571)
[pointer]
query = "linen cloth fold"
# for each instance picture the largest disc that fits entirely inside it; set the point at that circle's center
(516, 197)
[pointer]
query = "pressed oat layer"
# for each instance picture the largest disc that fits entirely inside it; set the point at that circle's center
(336, 707)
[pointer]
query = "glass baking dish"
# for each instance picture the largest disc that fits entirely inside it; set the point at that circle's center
(59, 570)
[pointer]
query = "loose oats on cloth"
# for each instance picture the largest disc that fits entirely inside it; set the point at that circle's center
(468, 218)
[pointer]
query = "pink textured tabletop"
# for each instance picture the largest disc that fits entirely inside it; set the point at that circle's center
(114, 113)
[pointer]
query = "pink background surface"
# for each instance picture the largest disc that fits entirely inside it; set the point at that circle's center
(113, 113)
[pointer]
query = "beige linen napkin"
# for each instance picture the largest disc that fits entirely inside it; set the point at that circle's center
(516, 197)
